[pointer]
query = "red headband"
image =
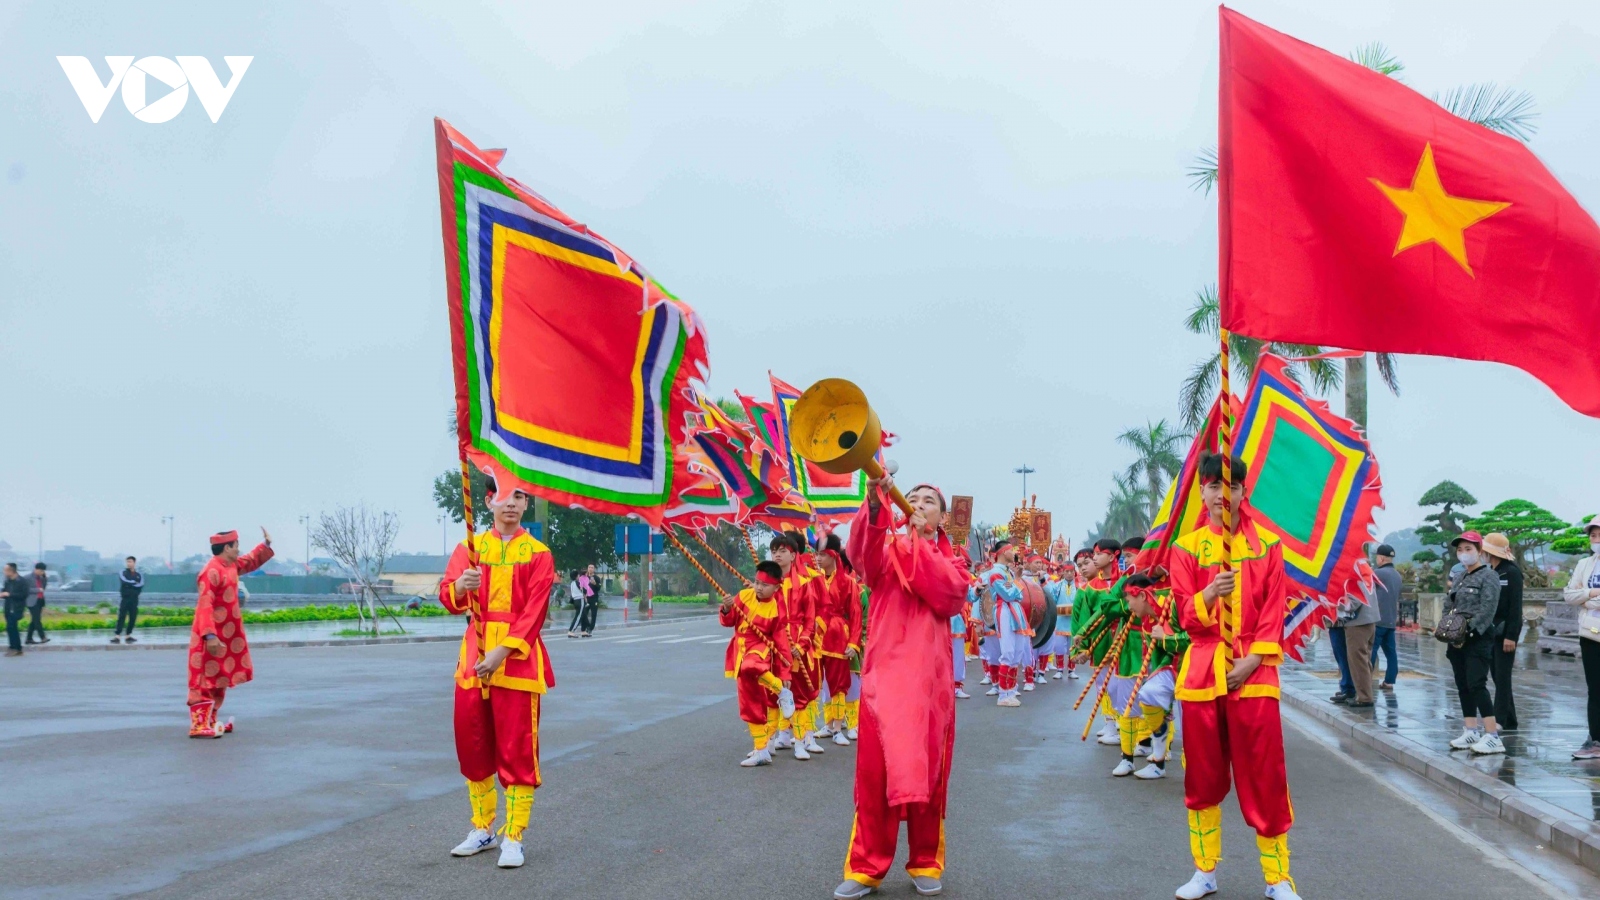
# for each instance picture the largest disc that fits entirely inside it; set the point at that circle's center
(765, 578)
(226, 537)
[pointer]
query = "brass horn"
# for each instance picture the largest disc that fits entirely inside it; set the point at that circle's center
(833, 426)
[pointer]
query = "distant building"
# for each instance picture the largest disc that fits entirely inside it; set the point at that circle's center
(73, 560)
(415, 573)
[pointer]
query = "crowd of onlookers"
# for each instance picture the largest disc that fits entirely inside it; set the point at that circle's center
(24, 597)
(1484, 605)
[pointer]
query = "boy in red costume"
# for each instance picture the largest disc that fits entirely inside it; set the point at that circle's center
(502, 673)
(1232, 597)
(759, 657)
(797, 604)
(839, 612)
(219, 653)
(908, 717)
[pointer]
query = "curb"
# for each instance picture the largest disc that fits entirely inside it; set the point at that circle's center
(1564, 831)
(349, 642)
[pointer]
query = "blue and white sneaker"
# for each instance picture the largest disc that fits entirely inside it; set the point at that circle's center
(1202, 884)
(476, 842)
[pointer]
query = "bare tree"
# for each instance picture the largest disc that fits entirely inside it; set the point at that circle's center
(361, 540)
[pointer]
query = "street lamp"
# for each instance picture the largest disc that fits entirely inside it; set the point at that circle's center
(39, 521)
(305, 523)
(1024, 471)
(167, 521)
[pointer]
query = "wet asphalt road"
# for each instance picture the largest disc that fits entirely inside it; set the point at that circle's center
(340, 783)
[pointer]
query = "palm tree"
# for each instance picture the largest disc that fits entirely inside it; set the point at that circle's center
(1503, 109)
(1126, 509)
(1201, 386)
(1158, 447)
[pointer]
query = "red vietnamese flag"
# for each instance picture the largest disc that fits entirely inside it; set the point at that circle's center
(1357, 213)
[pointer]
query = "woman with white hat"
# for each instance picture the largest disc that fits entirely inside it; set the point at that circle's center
(1584, 590)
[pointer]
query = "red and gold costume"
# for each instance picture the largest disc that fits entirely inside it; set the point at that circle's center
(797, 605)
(839, 614)
(216, 612)
(1217, 722)
(908, 716)
(758, 656)
(497, 721)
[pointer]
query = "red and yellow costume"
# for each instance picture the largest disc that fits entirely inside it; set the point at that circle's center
(758, 656)
(908, 716)
(797, 605)
(497, 720)
(216, 612)
(1219, 723)
(839, 615)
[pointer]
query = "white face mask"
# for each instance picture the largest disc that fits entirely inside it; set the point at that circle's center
(1468, 558)
(1595, 546)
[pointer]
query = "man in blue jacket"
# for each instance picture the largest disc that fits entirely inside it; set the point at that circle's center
(132, 584)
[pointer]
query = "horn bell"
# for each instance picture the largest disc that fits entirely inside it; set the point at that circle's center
(833, 426)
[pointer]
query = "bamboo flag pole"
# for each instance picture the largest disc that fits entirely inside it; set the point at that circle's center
(718, 557)
(472, 561)
(1144, 663)
(1106, 663)
(750, 545)
(1225, 446)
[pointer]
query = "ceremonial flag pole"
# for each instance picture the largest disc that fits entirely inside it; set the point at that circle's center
(1225, 447)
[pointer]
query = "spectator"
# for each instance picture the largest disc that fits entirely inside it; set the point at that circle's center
(36, 606)
(132, 584)
(1387, 589)
(1476, 595)
(15, 592)
(591, 602)
(1360, 623)
(1584, 590)
(1508, 627)
(1341, 658)
(576, 595)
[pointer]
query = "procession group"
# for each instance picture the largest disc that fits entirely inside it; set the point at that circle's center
(867, 641)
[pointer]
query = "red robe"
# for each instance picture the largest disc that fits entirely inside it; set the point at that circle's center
(797, 605)
(759, 645)
(906, 676)
(216, 611)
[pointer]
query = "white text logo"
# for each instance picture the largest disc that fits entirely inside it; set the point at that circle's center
(134, 77)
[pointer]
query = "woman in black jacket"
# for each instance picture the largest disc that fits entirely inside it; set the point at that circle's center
(1508, 626)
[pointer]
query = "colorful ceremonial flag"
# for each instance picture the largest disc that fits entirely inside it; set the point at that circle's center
(832, 496)
(1355, 212)
(1311, 479)
(707, 501)
(572, 365)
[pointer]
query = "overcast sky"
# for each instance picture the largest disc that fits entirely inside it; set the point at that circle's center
(242, 322)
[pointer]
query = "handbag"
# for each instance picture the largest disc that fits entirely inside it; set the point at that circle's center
(1452, 627)
(1589, 624)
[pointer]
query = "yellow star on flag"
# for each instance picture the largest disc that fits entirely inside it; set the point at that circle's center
(1433, 215)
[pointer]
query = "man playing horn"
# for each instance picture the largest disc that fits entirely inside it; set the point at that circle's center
(908, 724)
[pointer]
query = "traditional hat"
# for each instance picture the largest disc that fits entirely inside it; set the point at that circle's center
(1497, 544)
(225, 537)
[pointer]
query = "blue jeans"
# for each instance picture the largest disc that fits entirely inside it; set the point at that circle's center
(1385, 640)
(1346, 684)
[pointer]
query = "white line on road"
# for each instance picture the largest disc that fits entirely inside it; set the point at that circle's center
(653, 637)
(692, 637)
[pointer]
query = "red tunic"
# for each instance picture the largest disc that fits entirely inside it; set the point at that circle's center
(759, 644)
(1250, 621)
(839, 608)
(216, 611)
(906, 676)
(510, 606)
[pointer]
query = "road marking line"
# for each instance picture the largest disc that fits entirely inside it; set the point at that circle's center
(653, 637)
(693, 637)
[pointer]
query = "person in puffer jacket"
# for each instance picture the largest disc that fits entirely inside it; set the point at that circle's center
(1475, 593)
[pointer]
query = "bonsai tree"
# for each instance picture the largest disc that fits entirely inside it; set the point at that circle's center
(1574, 541)
(1443, 526)
(1429, 578)
(1526, 525)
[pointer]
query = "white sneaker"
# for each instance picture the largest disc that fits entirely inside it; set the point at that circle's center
(1109, 737)
(1074, 675)
(1124, 767)
(1150, 772)
(757, 758)
(1283, 890)
(985, 680)
(1038, 678)
(1056, 675)
(822, 733)
(800, 751)
(1028, 686)
(1009, 700)
(840, 739)
(1141, 750)
(783, 740)
(1469, 736)
(851, 733)
(1202, 884)
(1108, 728)
(786, 703)
(477, 841)
(510, 855)
(991, 692)
(1489, 743)
(962, 695)
(812, 746)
